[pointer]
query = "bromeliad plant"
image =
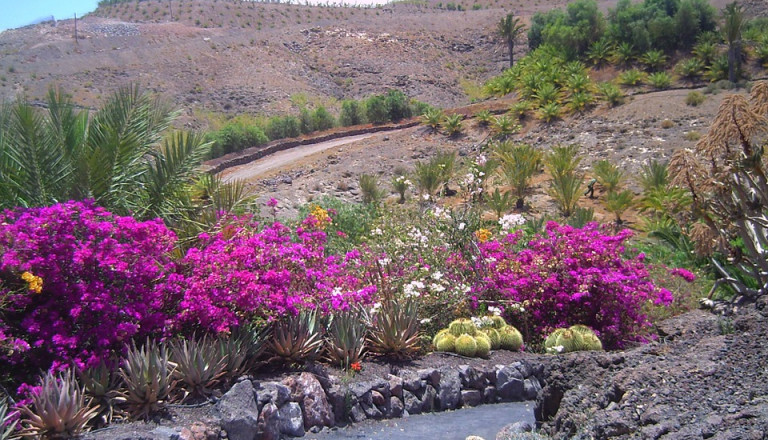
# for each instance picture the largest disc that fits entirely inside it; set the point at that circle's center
(58, 408)
(200, 365)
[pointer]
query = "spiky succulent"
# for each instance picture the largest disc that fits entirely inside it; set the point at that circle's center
(483, 344)
(466, 345)
(346, 337)
(569, 340)
(243, 349)
(200, 365)
(58, 409)
(510, 338)
(7, 421)
(439, 335)
(498, 322)
(297, 338)
(551, 342)
(101, 385)
(147, 374)
(589, 340)
(394, 329)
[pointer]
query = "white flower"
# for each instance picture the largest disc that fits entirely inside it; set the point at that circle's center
(494, 310)
(462, 226)
(336, 291)
(437, 275)
(436, 287)
(384, 261)
(481, 174)
(377, 231)
(376, 307)
(509, 221)
(425, 196)
(425, 321)
(476, 321)
(481, 159)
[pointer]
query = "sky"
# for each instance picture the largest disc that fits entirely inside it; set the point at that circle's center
(17, 13)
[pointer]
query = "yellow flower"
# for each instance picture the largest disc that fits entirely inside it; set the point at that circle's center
(483, 235)
(34, 283)
(321, 215)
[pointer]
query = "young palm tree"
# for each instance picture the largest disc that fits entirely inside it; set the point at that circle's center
(114, 157)
(618, 202)
(561, 163)
(518, 164)
(510, 28)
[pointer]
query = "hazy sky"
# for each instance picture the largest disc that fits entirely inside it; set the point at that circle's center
(17, 13)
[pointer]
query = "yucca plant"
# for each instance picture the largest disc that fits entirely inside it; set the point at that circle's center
(600, 52)
(346, 336)
(580, 101)
(8, 421)
(101, 385)
(394, 328)
(452, 124)
(608, 175)
(297, 338)
(520, 108)
(518, 164)
(610, 93)
(200, 365)
(58, 409)
(500, 202)
(546, 94)
(549, 112)
(690, 68)
(631, 77)
(660, 80)
(623, 54)
(484, 118)
(618, 202)
(432, 118)
(504, 126)
(369, 187)
(566, 189)
(428, 178)
(147, 374)
(653, 60)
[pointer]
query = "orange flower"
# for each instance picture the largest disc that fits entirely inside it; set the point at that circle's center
(355, 366)
(483, 235)
(34, 283)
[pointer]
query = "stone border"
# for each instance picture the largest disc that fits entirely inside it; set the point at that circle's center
(310, 402)
(219, 164)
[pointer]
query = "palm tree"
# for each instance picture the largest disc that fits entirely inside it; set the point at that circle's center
(510, 28)
(733, 22)
(518, 164)
(116, 157)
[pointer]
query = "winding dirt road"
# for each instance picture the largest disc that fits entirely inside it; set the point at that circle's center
(258, 167)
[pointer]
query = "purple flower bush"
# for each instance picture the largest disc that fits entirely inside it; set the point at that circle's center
(77, 282)
(571, 276)
(244, 273)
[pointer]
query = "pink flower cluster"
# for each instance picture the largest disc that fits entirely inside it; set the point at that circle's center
(572, 276)
(102, 282)
(243, 273)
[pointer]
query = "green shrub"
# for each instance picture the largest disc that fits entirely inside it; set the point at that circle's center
(398, 106)
(235, 136)
(632, 77)
(610, 93)
(352, 113)
(694, 99)
(280, 127)
(322, 120)
(660, 80)
(376, 109)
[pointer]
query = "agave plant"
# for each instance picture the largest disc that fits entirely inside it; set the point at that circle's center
(58, 409)
(147, 374)
(200, 365)
(394, 328)
(243, 349)
(345, 340)
(8, 421)
(101, 386)
(297, 338)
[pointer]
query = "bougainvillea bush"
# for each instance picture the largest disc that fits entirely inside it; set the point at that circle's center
(77, 282)
(243, 273)
(569, 276)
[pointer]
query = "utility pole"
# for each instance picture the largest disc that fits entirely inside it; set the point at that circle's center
(76, 28)
(170, 7)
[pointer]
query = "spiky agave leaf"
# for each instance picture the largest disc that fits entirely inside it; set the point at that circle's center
(58, 410)
(395, 328)
(346, 337)
(297, 338)
(8, 421)
(147, 374)
(101, 384)
(199, 365)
